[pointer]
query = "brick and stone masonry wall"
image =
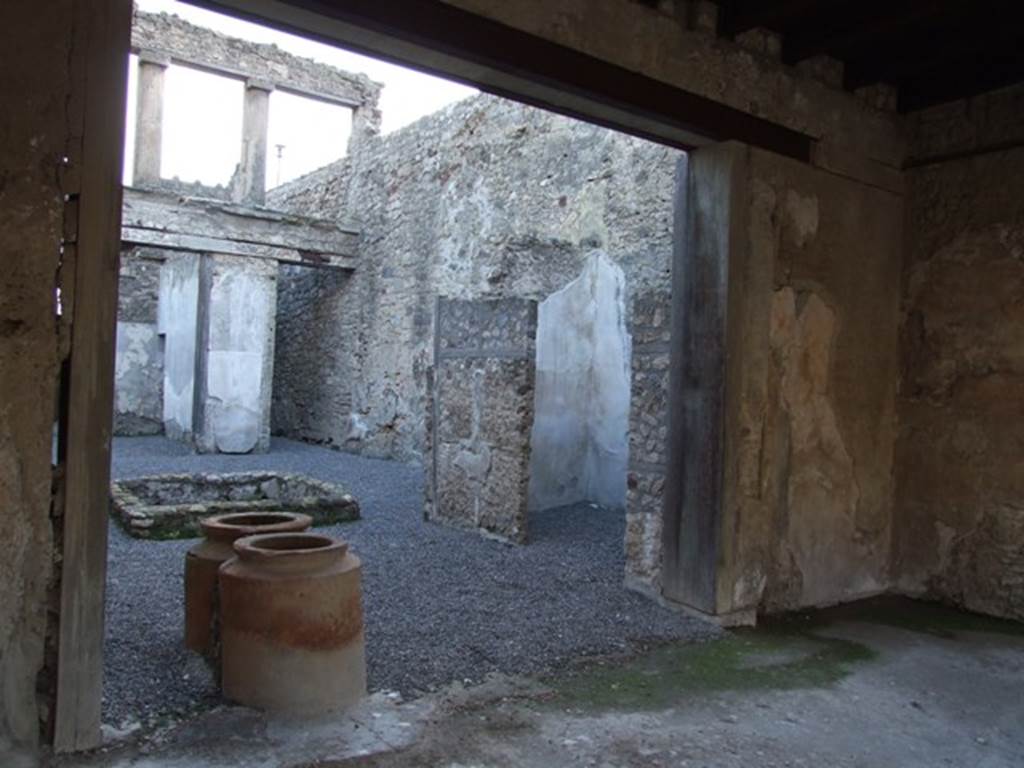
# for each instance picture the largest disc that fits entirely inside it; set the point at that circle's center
(484, 199)
(959, 515)
(480, 412)
(648, 433)
(317, 393)
(138, 376)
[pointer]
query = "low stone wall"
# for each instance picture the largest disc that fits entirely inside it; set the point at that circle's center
(171, 506)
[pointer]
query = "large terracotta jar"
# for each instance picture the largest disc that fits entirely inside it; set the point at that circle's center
(204, 560)
(292, 624)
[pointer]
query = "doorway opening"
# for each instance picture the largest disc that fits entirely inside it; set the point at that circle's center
(379, 426)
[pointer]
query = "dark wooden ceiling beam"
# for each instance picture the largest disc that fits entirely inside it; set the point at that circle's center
(861, 27)
(738, 16)
(962, 79)
(958, 49)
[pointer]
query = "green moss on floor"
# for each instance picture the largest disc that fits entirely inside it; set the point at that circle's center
(783, 652)
(742, 660)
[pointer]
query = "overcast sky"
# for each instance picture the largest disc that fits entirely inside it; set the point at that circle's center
(203, 113)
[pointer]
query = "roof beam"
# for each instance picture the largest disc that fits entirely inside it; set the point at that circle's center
(737, 16)
(163, 220)
(859, 27)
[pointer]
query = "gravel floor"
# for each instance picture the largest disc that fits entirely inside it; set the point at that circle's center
(440, 604)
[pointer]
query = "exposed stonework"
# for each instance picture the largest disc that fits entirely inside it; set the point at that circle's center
(139, 371)
(188, 43)
(314, 373)
(171, 506)
(650, 329)
(481, 406)
(487, 199)
(959, 526)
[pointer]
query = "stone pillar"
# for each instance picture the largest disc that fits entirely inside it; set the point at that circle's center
(249, 184)
(480, 414)
(235, 356)
(149, 117)
(365, 124)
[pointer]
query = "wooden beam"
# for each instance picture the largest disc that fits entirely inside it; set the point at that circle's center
(736, 16)
(203, 244)
(213, 226)
(450, 42)
(946, 51)
(99, 66)
(855, 31)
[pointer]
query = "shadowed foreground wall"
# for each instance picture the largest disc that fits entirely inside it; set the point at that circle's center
(960, 470)
(810, 301)
(34, 76)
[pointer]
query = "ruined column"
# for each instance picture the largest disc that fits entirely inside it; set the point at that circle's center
(249, 184)
(149, 117)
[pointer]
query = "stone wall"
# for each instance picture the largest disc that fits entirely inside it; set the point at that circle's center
(959, 529)
(139, 371)
(650, 333)
(485, 199)
(481, 405)
(316, 395)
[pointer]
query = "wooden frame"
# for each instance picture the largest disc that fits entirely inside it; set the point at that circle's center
(430, 36)
(100, 61)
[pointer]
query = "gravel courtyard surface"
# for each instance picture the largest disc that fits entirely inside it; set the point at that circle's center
(440, 604)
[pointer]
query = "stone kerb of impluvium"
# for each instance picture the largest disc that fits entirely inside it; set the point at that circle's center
(172, 506)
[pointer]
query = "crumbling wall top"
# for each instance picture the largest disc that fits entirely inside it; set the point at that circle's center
(163, 34)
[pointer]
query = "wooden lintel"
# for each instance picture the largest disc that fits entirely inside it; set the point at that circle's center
(213, 226)
(176, 241)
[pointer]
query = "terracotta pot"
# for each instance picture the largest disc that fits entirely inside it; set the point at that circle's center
(292, 624)
(205, 558)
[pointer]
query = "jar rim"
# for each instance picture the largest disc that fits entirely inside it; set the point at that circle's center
(234, 525)
(288, 545)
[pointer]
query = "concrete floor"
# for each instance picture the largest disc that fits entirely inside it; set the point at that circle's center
(886, 682)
